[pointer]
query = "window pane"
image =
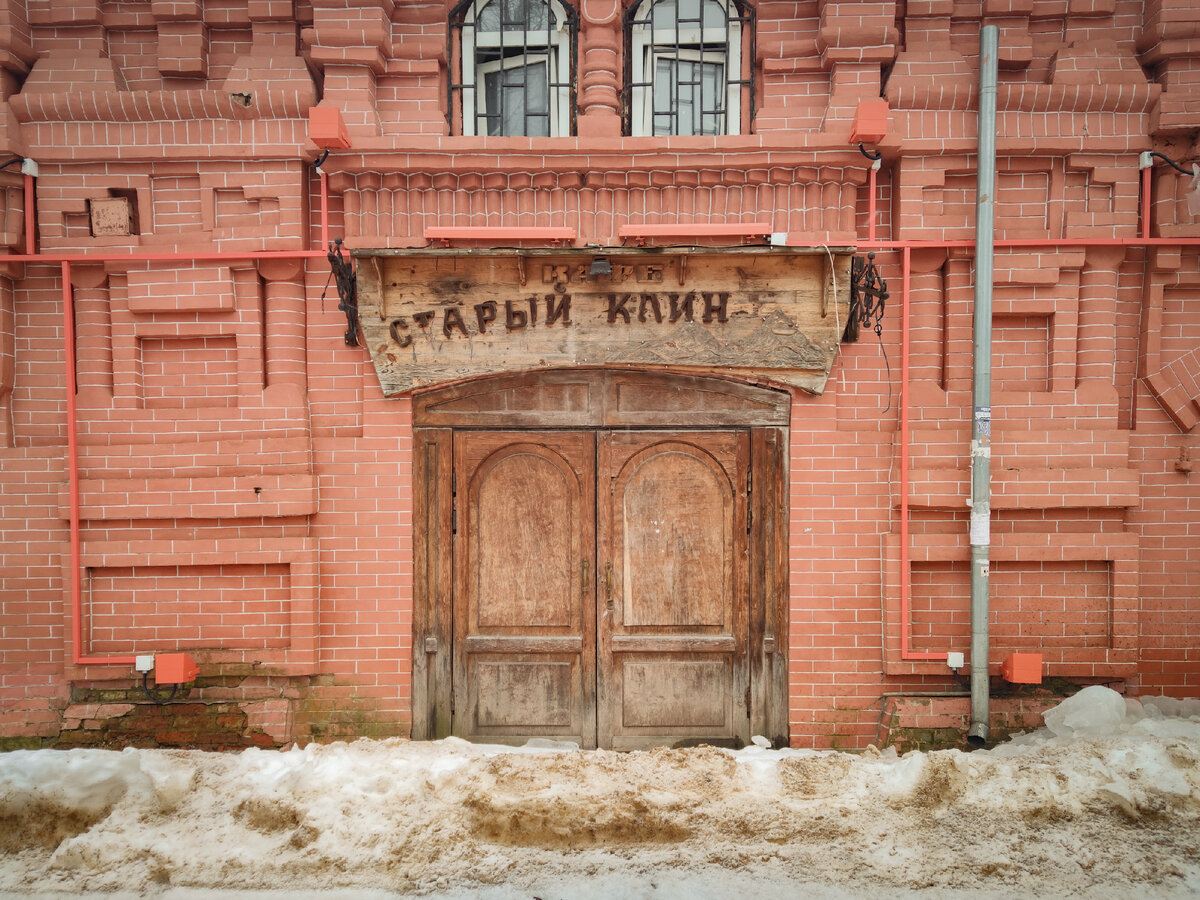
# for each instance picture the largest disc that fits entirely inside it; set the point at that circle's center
(513, 15)
(666, 13)
(517, 99)
(688, 97)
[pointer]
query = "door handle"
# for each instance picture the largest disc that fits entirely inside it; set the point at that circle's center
(608, 600)
(583, 577)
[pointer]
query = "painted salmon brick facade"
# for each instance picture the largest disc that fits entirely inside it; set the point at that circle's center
(245, 491)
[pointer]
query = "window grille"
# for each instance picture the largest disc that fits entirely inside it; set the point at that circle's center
(515, 59)
(688, 69)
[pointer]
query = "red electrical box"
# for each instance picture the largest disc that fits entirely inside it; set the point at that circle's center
(870, 122)
(326, 128)
(174, 668)
(1022, 668)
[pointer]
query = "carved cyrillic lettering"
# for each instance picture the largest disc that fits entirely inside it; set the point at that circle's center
(616, 307)
(561, 311)
(423, 319)
(394, 329)
(484, 314)
(453, 319)
(720, 308)
(685, 308)
(514, 318)
(649, 301)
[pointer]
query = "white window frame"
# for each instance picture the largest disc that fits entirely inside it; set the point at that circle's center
(721, 43)
(556, 54)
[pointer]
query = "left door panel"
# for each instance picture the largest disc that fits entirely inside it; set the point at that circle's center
(524, 596)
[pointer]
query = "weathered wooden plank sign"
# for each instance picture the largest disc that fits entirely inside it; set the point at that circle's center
(431, 317)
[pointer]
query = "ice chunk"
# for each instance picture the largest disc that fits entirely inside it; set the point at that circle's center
(759, 741)
(1093, 712)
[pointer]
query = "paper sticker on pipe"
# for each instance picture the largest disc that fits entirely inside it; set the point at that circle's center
(983, 420)
(981, 526)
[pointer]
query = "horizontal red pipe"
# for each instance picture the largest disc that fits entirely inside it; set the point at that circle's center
(217, 255)
(1044, 243)
(179, 256)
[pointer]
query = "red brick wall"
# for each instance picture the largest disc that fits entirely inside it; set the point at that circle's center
(246, 489)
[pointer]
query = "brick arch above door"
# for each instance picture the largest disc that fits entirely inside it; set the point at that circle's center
(599, 401)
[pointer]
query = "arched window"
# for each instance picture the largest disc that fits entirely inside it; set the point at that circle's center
(516, 62)
(688, 66)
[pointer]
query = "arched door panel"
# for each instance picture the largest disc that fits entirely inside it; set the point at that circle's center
(524, 602)
(672, 621)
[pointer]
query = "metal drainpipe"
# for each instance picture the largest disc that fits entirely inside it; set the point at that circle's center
(981, 420)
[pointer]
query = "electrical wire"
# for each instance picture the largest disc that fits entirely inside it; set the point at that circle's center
(146, 690)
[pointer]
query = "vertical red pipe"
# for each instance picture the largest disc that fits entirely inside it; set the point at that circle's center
(906, 652)
(871, 204)
(324, 211)
(72, 460)
(77, 656)
(30, 218)
(904, 554)
(1145, 204)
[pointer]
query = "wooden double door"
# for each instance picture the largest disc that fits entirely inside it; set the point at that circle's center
(602, 585)
(601, 589)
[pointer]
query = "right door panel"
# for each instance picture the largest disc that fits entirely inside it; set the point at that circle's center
(673, 588)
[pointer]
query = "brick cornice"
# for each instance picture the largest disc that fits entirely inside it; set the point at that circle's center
(155, 106)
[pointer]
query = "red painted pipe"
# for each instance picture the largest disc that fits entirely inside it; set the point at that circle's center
(180, 256)
(324, 212)
(1145, 204)
(906, 247)
(906, 652)
(77, 656)
(30, 243)
(871, 203)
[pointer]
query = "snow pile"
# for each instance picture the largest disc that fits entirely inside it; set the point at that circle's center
(1104, 801)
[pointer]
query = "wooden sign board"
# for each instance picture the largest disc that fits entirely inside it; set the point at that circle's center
(438, 316)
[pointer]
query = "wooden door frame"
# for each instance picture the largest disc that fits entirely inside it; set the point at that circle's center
(598, 398)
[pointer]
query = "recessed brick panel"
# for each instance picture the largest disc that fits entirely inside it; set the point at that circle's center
(1033, 605)
(187, 373)
(1020, 353)
(156, 609)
